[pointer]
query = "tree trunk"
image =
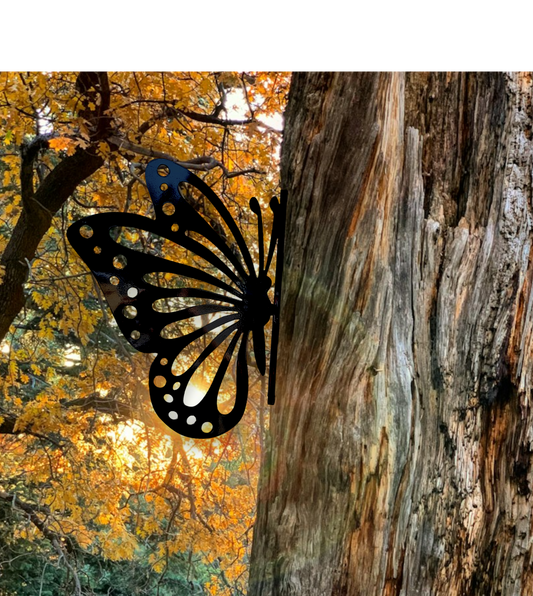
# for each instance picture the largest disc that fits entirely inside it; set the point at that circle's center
(401, 439)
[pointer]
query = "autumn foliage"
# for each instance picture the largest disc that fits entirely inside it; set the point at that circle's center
(95, 494)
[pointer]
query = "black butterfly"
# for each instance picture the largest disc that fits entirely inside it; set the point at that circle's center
(228, 295)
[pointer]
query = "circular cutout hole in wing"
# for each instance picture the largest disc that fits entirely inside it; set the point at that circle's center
(160, 381)
(163, 170)
(119, 262)
(168, 208)
(86, 231)
(129, 311)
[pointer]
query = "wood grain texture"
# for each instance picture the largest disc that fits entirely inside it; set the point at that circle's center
(399, 458)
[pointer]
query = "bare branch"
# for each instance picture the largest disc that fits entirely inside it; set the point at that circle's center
(172, 110)
(32, 510)
(104, 405)
(203, 163)
(60, 542)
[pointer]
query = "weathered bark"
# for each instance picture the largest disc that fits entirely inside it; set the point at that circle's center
(400, 443)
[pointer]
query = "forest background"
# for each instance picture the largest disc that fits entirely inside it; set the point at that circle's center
(96, 497)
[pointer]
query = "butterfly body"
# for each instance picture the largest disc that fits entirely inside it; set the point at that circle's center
(226, 294)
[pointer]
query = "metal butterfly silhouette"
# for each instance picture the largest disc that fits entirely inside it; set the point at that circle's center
(157, 302)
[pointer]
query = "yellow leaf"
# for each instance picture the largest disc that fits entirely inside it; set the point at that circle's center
(60, 143)
(103, 149)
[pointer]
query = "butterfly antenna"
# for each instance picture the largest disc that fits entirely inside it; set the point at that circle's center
(254, 206)
(274, 204)
(278, 235)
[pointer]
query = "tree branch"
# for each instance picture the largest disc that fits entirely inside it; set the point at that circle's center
(104, 405)
(172, 110)
(40, 206)
(28, 154)
(32, 510)
(203, 163)
(59, 541)
(32, 225)
(7, 427)
(210, 119)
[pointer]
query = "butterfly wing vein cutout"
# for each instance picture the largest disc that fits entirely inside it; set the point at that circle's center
(188, 314)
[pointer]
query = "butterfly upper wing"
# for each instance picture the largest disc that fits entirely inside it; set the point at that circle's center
(122, 274)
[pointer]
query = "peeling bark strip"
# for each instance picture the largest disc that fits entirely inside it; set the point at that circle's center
(400, 449)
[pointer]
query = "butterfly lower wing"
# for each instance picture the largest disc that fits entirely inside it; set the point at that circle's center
(203, 419)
